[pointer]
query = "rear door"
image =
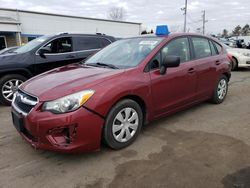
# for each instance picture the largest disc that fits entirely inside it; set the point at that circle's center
(59, 52)
(206, 61)
(178, 86)
(86, 46)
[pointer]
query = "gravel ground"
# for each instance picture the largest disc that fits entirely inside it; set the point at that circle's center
(205, 146)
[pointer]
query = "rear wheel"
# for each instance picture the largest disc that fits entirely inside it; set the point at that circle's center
(220, 91)
(234, 64)
(9, 84)
(123, 124)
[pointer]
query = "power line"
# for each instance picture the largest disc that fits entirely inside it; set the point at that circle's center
(192, 20)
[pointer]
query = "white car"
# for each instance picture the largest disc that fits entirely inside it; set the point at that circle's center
(240, 57)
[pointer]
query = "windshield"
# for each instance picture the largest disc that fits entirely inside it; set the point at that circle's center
(125, 53)
(32, 44)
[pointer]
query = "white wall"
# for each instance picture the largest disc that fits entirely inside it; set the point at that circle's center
(9, 28)
(39, 24)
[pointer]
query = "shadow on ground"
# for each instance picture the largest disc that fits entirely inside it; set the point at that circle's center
(239, 179)
(189, 159)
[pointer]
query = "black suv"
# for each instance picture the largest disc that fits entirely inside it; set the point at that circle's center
(43, 54)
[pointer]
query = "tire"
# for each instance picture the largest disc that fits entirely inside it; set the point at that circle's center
(120, 134)
(6, 88)
(234, 64)
(220, 91)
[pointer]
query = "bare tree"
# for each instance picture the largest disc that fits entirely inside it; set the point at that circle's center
(116, 13)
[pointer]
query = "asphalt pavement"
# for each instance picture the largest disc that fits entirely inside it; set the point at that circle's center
(205, 146)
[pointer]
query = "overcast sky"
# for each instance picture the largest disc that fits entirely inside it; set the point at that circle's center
(220, 13)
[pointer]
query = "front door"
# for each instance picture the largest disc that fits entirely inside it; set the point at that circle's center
(58, 52)
(178, 86)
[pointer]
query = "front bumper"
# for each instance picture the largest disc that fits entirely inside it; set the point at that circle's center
(244, 61)
(74, 132)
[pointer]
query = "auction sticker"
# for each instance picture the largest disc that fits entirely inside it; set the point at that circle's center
(148, 42)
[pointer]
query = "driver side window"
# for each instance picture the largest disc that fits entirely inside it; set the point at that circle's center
(60, 45)
(178, 47)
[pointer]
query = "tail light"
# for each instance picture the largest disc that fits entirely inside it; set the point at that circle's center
(230, 57)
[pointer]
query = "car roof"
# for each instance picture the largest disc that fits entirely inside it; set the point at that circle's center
(180, 34)
(82, 34)
(173, 35)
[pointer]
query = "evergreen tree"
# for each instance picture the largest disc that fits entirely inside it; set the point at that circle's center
(224, 33)
(237, 30)
(144, 32)
(245, 30)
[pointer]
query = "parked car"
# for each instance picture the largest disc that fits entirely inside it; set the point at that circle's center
(240, 57)
(117, 90)
(43, 54)
(8, 50)
(228, 42)
(240, 43)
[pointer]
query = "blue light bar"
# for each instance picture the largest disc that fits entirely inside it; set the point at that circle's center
(162, 30)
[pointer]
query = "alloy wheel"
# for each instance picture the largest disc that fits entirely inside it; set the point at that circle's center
(125, 124)
(10, 87)
(222, 89)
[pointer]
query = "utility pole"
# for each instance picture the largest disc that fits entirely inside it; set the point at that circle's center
(185, 16)
(204, 22)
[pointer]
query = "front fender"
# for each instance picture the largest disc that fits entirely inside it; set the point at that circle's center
(109, 93)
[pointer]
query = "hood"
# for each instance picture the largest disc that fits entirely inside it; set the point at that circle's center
(12, 58)
(67, 80)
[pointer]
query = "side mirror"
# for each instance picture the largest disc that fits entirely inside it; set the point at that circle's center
(168, 62)
(42, 52)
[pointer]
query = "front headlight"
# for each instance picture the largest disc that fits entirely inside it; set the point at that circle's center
(68, 103)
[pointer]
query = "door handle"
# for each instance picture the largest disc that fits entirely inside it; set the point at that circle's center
(191, 70)
(217, 62)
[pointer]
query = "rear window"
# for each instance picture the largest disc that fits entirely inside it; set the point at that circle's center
(213, 48)
(87, 43)
(218, 47)
(201, 47)
(104, 42)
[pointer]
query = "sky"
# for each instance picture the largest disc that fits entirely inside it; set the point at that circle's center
(220, 14)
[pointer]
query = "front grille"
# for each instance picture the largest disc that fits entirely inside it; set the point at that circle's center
(24, 101)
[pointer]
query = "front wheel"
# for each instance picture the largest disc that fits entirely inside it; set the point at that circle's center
(123, 124)
(220, 91)
(9, 84)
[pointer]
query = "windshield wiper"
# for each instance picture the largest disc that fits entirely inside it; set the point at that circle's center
(103, 65)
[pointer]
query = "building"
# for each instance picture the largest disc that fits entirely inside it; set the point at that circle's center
(19, 26)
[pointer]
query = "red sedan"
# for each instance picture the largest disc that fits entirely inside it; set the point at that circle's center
(115, 92)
